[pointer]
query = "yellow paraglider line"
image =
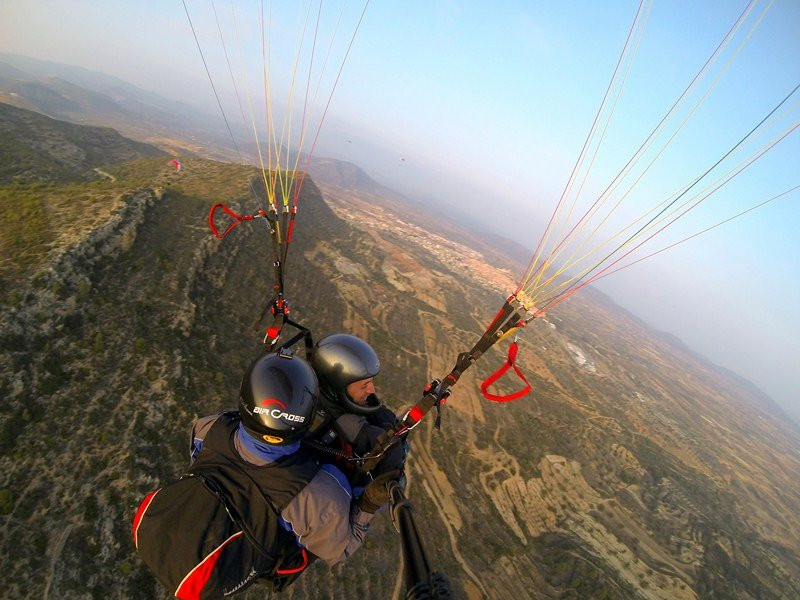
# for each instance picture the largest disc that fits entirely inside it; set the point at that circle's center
(266, 52)
(553, 254)
(328, 53)
(530, 269)
(564, 244)
(306, 121)
(278, 176)
(283, 142)
(555, 299)
(252, 119)
(701, 232)
(560, 298)
(328, 104)
(593, 212)
(236, 93)
(666, 216)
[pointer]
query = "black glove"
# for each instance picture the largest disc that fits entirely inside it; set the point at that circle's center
(393, 459)
(376, 494)
(383, 417)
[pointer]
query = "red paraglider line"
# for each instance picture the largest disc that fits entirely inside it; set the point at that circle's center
(707, 229)
(310, 64)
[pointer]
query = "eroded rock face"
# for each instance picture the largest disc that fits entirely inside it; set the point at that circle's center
(54, 299)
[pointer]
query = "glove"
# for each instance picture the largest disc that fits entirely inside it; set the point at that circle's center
(376, 494)
(383, 417)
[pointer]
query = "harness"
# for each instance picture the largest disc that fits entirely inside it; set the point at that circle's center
(254, 497)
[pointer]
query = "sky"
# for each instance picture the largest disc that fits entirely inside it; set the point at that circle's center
(485, 107)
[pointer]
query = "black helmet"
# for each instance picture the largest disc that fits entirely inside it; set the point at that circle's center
(277, 399)
(339, 360)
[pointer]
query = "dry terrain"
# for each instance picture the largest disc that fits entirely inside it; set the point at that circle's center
(633, 470)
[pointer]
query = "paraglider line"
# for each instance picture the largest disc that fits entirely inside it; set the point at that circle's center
(536, 255)
(633, 158)
(549, 303)
(707, 229)
(208, 73)
(327, 106)
(696, 181)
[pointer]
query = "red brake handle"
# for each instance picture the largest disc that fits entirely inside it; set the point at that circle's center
(237, 218)
(510, 362)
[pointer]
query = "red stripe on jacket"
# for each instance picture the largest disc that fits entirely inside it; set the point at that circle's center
(194, 582)
(140, 513)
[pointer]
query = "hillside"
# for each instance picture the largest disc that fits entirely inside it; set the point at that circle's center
(341, 179)
(632, 471)
(36, 148)
(86, 97)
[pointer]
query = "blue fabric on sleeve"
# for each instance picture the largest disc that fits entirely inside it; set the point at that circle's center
(339, 476)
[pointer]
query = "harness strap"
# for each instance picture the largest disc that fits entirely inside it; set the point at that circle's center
(298, 569)
(276, 233)
(280, 227)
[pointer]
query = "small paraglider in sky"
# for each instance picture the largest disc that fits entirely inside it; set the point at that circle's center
(176, 163)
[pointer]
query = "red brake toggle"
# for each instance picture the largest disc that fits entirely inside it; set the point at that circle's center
(510, 362)
(237, 218)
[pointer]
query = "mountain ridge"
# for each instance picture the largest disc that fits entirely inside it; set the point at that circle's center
(88, 97)
(348, 175)
(38, 148)
(764, 399)
(98, 82)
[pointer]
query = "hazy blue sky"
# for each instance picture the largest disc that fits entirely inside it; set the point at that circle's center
(486, 105)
